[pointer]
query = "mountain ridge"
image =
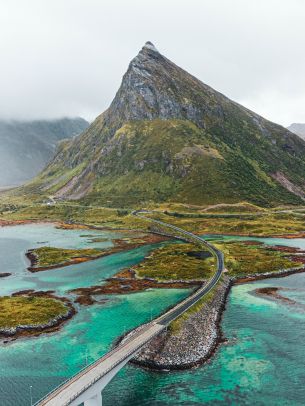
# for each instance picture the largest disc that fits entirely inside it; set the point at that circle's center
(26, 146)
(168, 136)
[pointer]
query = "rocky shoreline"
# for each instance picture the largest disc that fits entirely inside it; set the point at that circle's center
(189, 347)
(119, 245)
(26, 330)
(200, 334)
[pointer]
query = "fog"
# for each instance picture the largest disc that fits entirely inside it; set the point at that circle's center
(66, 58)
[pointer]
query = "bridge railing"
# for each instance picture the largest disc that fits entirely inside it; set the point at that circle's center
(89, 366)
(110, 368)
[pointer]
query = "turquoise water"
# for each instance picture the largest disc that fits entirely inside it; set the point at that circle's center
(261, 364)
(45, 361)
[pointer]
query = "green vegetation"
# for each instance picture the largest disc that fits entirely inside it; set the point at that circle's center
(176, 325)
(246, 259)
(73, 213)
(177, 262)
(197, 168)
(25, 310)
(264, 224)
(50, 256)
(198, 219)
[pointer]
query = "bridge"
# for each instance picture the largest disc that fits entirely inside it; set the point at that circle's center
(87, 385)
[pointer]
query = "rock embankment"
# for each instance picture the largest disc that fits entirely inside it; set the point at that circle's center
(195, 340)
(200, 333)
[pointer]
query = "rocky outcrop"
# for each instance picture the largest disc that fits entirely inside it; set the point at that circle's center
(194, 342)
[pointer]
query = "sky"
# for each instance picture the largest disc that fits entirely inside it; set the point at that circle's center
(64, 58)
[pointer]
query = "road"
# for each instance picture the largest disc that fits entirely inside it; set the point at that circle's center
(97, 371)
(171, 315)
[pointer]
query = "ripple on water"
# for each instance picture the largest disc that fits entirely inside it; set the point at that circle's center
(262, 363)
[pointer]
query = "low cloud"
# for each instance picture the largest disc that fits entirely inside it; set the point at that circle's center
(66, 58)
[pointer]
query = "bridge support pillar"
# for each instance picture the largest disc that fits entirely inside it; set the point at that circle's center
(94, 401)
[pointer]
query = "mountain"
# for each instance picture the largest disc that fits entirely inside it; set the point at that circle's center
(27, 146)
(298, 129)
(169, 137)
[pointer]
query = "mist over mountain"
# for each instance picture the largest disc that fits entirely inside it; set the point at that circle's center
(26, 146)
(167, 136)
(298, 128)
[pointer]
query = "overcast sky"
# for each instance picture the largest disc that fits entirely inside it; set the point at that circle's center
(67, 57)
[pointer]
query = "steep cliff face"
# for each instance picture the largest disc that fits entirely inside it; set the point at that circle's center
(168, 136)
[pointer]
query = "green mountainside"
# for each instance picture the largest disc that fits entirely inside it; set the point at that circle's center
(27, 146)
(169, 137)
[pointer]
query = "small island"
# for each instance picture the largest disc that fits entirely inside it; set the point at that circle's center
(44, 258)
(32, 313)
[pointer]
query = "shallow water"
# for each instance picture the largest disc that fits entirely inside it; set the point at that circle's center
(45, 361)
(262, 363)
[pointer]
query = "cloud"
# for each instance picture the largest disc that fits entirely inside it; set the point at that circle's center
(66, 58)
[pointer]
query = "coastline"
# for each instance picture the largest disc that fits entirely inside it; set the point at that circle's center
(73, 226)
(163, 352)
(119, 246)
(146, 357)
(30, 330)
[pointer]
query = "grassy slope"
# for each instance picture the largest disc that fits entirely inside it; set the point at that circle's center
(174, 160)
(263, 222)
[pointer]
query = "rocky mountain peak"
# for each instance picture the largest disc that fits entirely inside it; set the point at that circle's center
(149, 45)
(154, 87)
(167, 136)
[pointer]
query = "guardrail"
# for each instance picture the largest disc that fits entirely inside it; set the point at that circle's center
(90, 366)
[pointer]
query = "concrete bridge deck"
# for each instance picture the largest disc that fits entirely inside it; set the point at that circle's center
(77, 385)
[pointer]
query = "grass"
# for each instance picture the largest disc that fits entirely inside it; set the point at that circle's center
(264, 224)
(198, 219)
(176, 262)
(50, 256)
(176, 325)
(244, 259)
(24, 310)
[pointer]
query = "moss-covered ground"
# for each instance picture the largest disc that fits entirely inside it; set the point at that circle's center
(246, 259)
(25, 310)
(51, 256)
(242, 219)
(177, 262)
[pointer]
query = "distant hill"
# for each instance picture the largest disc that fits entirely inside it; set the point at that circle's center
(167, 136)
(26, 146)
(298, 129)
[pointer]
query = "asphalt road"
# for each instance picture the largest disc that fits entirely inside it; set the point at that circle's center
(178, 310)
